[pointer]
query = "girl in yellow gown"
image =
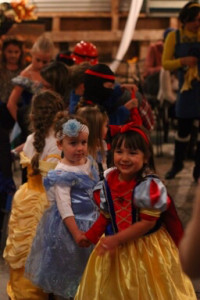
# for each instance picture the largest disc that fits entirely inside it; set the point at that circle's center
(40, 154)
(138, 258)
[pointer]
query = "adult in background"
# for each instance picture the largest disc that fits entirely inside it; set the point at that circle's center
(152, 67)
(167, 94)
(181, 53)
(11, 65)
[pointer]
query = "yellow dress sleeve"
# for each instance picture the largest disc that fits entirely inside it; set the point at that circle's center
(44, 165)
(24, 160)
(168, 60)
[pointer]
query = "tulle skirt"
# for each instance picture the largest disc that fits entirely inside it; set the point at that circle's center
(56, 263)
(146, 269)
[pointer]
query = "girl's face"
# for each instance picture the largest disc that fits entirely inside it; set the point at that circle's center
(74, 149)
(12, 54)
(194, 25)
(40, 59)
(104, 129)
(128, 162)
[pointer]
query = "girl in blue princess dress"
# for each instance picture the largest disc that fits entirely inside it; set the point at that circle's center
(56, 262)
(138, 258)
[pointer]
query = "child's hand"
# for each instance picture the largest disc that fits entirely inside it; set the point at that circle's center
(131, 104)
(109, 243)
(130, 87)
(78, 236)
(84, 242)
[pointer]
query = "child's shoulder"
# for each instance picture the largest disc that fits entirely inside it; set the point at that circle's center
(76, 169)
(151, 193)
(110, 172)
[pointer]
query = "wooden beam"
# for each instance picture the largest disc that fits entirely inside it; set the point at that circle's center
(78, 14)
(103, 36)
(73, 14)
(56, 24)
(115, 15)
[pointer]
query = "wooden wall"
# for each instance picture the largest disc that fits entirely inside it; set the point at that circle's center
(103, 28)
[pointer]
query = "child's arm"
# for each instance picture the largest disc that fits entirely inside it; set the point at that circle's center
(13, 101)
(77, 234)
(18, 149)
(190, 243)
(63, 200)
(135, 231)
(99, 227)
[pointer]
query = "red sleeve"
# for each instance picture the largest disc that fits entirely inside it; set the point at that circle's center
(96, 197)
(135, 116)
(97, 229)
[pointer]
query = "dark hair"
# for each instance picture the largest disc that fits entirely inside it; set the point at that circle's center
(134, 141)
(189, 12)
(44, 107)
(12, 41)
(77, 74)
(56, 74)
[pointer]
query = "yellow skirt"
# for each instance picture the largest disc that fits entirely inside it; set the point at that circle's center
(27, 209)
(145, 269)
(20, 288)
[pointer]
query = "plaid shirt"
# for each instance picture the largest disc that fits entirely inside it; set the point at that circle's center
(146, 114)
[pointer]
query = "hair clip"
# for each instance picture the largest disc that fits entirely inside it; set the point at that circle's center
(72, 128)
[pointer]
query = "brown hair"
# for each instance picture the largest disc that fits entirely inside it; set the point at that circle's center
(189, 12)
(95, 119)
(57, 75)
(77, 74)
(45, 105)
(12, 41)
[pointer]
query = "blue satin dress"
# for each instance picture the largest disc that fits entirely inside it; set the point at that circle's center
(56, 262)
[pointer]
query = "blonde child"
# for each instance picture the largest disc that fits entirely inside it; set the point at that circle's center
(40, 154)
(137, 259)
(98, 126)
(56, 262)
(29, 82)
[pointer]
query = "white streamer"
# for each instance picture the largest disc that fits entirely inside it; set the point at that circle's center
(135, 8)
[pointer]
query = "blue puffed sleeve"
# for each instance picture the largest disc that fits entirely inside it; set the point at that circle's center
(70, 179)
(151, 194)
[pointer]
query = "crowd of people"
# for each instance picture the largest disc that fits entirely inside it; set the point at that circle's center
(91, 218)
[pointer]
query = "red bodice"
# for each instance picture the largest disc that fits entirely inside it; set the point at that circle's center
(121, 193)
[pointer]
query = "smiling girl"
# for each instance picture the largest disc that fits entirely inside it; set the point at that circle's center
(137, 259)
